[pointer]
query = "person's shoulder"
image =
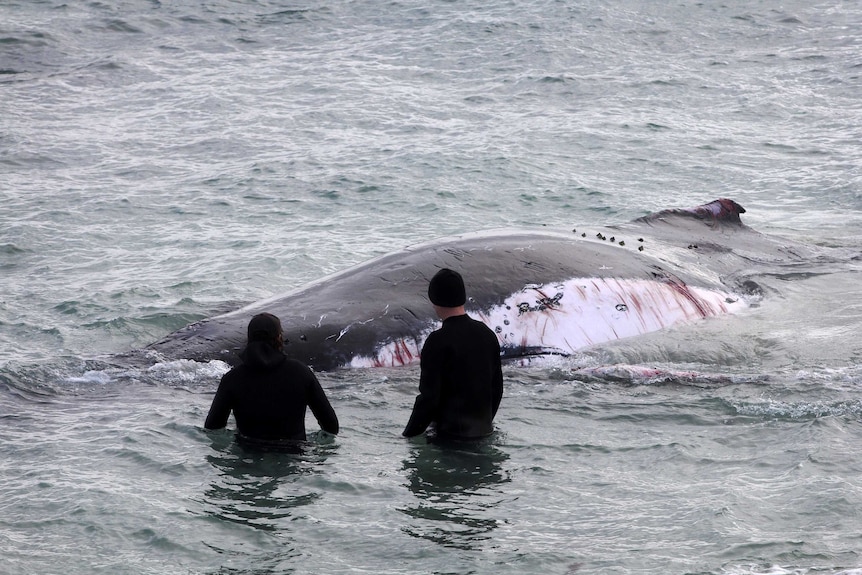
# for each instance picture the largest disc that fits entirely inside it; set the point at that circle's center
(435, 340)
(234, 372)
(234, 377)
(481, 325)
(485, 331)
(436, 334)
(296, 366)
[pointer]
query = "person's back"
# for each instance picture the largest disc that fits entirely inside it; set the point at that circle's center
(268, 393)
(464, 354)
(461, 379)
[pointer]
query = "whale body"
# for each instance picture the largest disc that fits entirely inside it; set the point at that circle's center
(542, 292)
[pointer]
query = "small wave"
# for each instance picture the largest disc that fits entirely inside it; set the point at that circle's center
(777, 570)
(11, 249)
(92, 378)
(184, 371)
(180, 373)
(584, 369)
(74, 376)
(648, 375)
(799, 410)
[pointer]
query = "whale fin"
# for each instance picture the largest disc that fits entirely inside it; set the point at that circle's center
(720, 211)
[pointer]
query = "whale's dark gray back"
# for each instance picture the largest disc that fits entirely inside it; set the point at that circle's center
(352, 313)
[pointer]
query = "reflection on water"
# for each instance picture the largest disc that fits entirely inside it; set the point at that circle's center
(457, 487)
(257, 486)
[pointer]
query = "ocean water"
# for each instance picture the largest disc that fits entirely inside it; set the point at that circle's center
(162, 162)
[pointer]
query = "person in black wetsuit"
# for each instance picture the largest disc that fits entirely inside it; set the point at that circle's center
(268, 392)
(461, 377)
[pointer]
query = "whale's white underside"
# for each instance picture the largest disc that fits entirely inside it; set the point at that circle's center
(565, 317)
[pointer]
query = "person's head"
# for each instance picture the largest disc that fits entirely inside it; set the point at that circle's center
(446, 291)
(265, 327)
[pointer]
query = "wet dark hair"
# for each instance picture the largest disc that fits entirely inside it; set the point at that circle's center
(264, 327)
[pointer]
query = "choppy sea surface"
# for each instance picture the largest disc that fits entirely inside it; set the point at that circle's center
(162, 162)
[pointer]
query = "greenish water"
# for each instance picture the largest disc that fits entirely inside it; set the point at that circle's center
(580, 477)
(165, 162)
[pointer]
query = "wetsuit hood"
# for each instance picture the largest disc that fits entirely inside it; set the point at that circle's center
(261, 354)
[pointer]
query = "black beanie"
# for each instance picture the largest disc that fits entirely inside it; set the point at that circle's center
(447, 289)
(264, 327)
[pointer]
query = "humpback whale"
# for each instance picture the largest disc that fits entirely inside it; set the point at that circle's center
(542, 292)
